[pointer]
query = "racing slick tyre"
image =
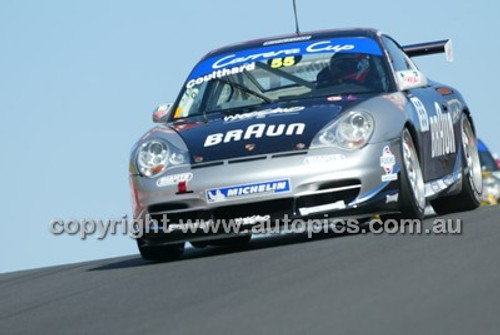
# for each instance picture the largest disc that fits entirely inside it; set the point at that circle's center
(472, 181)
(412, 191)
(199, 244)
(162, 253)
(226, 242)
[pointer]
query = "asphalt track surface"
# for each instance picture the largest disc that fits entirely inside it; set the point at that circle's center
(362, 284)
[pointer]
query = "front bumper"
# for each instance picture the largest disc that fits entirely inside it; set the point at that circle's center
(323, 183)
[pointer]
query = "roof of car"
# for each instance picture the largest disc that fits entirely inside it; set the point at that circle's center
(282, 39)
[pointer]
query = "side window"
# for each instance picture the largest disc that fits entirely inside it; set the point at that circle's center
(399, 59)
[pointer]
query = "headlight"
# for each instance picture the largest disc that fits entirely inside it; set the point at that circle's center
(156, 155)
(351, 131)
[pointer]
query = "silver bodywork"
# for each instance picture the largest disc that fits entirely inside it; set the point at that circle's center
(307, 170)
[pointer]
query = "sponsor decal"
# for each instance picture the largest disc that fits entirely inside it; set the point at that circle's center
(300, 146)
(439, 185)
(250, 146)
(334, 98)
(245, 190)
(338, 205)
(288, 40)
(389, 177)
(323, 159)
(344, 45)
(423, 117)
(251, 220)
(436, 186)
(217, 74)
(174, 179)
(442, 133)
(316, 47)
(410, 77)
(391, 198)
(263, 113)
(257, 130)
(455, 109)
(387, 162)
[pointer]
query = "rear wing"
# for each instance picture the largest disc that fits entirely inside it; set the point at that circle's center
(430, 48)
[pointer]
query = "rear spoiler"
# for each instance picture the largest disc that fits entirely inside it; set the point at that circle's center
(430, 48)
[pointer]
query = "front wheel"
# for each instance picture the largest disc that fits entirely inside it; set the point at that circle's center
(161, 253)
(412, 198)
(472, 181)
(232, 242)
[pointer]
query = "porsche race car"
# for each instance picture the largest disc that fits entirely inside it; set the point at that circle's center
(324, 124)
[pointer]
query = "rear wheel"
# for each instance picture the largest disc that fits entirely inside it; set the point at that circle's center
(412, 191)
(162, 253)
(472, 181)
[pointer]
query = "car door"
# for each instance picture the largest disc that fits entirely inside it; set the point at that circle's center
(430, 115)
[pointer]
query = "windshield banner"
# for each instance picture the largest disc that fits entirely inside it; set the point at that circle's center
(233, 60)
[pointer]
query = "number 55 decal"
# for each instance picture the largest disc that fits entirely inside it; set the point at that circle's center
(276, 63)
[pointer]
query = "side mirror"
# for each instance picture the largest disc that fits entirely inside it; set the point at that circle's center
(410, 79)
(162, 112)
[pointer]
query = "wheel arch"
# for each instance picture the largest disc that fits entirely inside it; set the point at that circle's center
(414, 135)
(467, 113)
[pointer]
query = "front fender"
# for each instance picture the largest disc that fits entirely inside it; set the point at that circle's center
(390, 112)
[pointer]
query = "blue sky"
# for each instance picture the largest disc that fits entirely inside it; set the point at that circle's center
(79, 81)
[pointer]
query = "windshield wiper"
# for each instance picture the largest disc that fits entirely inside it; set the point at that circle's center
(286, 75)
(245, 89)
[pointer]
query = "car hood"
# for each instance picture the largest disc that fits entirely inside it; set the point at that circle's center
(270, 129)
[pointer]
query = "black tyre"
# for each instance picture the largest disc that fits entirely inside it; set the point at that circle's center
(472, 179)
(412, 191)
(199, 244)
(161, 253)
(232, 242)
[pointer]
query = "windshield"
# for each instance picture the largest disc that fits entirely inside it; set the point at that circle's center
(253, 77)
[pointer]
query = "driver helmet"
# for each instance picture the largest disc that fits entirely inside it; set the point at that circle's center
(349, 66)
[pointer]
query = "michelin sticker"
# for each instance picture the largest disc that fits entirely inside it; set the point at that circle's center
(174, 179)
(263, 113)
(387, 162)
(423, 117)
(246, 190)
